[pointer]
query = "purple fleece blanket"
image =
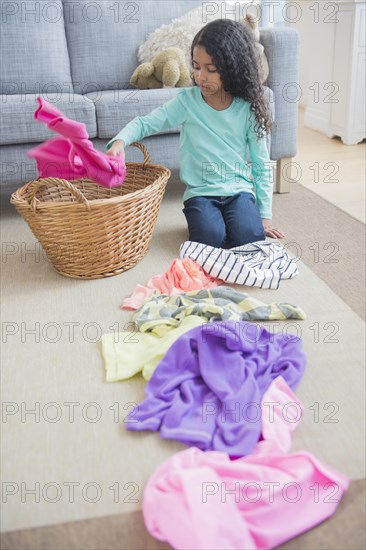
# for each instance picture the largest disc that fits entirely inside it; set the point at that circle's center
(207, 390)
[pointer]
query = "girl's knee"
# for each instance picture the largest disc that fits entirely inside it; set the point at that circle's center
(246, 239)
(246, 234)
(208, 236)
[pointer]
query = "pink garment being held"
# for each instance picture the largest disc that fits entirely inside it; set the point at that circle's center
(181, 276)
(203, 500)
(73, 156)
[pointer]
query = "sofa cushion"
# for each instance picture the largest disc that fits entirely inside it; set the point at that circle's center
(34, 55)
(17, 124)
(115, 108)
(114, 31)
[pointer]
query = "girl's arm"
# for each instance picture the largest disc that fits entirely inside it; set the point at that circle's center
(169, 115)
(262, 175)
(261, 170)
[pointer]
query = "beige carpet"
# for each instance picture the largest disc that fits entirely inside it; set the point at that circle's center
(51, 364)
(346, 529)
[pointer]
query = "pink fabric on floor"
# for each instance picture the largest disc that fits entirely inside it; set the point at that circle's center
(203, 500)
(73, 156)
(181, 276)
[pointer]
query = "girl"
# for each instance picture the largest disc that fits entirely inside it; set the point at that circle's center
(219, 117)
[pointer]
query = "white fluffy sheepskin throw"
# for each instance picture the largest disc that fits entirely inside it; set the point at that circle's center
(180, 32)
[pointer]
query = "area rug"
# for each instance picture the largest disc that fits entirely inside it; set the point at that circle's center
(74, 474)
(326, 239)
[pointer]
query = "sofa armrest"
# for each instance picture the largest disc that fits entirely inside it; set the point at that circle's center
(282, 46)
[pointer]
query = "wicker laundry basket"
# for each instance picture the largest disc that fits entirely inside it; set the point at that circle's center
(89, 231)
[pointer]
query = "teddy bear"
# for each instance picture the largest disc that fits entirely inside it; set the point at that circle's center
(168, 69)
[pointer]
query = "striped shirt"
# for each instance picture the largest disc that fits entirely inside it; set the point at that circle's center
(262, 264)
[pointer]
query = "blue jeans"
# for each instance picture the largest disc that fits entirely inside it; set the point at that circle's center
(218, 221)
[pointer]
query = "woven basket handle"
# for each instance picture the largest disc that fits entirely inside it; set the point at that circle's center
(34, 185)
(141, 146)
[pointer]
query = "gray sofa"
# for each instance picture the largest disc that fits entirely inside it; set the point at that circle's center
(80, 55)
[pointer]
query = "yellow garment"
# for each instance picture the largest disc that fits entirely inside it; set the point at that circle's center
(125, 353)
(163, 319)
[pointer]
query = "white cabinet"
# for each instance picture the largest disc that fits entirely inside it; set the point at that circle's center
(341, 111)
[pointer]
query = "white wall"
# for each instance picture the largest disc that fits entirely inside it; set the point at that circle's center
(332, 66)
(315, 21)
(273, 12)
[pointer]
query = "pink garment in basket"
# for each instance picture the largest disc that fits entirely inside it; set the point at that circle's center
(181, 276)
(73, 156)
(198, 500)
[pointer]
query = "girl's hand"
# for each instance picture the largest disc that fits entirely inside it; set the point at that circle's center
(271, 231)
(117, 149)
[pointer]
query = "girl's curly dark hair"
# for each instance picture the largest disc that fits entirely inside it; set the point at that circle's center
(231, 46)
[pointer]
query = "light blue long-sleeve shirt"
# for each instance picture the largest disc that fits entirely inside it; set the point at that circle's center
(212, 147)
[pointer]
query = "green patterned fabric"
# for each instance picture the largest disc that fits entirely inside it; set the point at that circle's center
(162, 312)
